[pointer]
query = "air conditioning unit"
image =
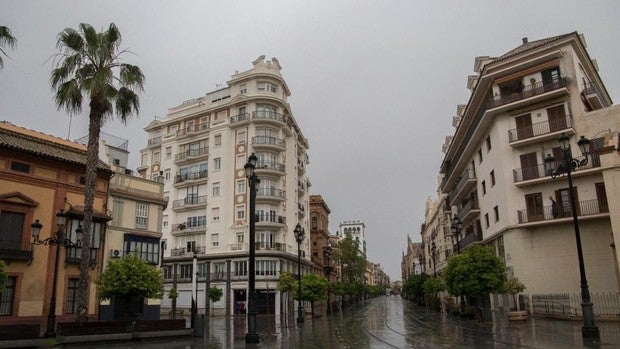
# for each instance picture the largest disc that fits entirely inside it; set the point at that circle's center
(116, 253)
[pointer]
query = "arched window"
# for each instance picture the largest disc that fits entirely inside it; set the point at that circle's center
(314, 223)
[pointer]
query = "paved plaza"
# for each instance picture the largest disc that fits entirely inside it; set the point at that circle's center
(389, 322)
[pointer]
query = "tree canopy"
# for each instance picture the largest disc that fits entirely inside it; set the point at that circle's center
(286, 282)
(313, 288)
(352, 261)
(130, 276)
(475, 271)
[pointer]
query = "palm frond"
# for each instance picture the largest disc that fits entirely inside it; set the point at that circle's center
(69, 96)
(70, 40)
(131, 76)
(6, 39)
(127, 103)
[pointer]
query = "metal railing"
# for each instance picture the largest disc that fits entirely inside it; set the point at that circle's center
(467, 175)
(190, 176)
(267, 140)
(266, 217)
(190, 153)
(270, 115)
(606, 305)
(270, 246)
(468, 207)
(154, 140)
(15, 250)
(240, 117)
(271, 192)
(590, 89)
(192, 129)
(268, 165)
(540, 128)
(527, 92)
(546, 213)
(142, 222)
(538, 171)
(190, 200)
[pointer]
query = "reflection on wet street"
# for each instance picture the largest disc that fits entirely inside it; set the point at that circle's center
(389, 322)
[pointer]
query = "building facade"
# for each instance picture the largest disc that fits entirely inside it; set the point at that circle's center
(412, 261)
(39, 176)
(200, 149)
(357, 231)
(493, 171)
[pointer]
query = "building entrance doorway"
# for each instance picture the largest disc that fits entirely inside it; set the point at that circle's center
(239, 301)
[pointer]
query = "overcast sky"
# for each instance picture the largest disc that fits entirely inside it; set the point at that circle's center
(374, 83)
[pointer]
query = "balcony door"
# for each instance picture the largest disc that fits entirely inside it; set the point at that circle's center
(563, 200)
(557, 118)
(524, 126)
(529, 166)
(601, 197)
(534, 207)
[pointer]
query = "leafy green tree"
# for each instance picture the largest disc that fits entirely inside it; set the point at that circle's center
(6, 40)
(353, 265)
(129, 280)
(88, 66)
(313, 288)
(413, 287)
(3, 275)
(476, 271)
(215, 294)
(433, 285)
(513, 287)
(286, 284)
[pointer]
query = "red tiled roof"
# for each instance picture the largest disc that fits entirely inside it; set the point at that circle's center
(41, 144)
(529, 46)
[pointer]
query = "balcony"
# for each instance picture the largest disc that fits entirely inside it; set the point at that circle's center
(183, 229)
(536, 174)
(269, 117)
(540, 131)
(539, 215)
(12, 250)
(182, 251)
(240, 118)
(270, 194)
(467, 211)
(266, 142)
(74, 255)
(191, 154)
(267, 246)
(189, 202)
(190, 178)
(238, 247)
(142, 223)
(593, 96)
(192, 130)
(268, 220)
(154, 141)
(465, 183)
(268, 167)
(468, 239)
(527, 92)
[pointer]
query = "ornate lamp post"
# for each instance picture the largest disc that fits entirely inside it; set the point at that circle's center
(59, 239)
(299, 237)
(434, 256)
(252, 335)
(456, 227)
(567, 165)
(328, 269)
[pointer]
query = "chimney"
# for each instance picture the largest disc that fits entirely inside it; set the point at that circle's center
(524, 40)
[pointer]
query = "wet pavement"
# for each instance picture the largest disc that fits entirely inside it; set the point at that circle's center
(388, 322)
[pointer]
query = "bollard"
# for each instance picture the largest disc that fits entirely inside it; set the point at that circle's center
(199, 326)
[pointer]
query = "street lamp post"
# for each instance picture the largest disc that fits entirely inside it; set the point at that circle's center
(252, 335)
(567, 165)
(328, 269)
(299, 237)
(57, 240)
(457, 225)
(434, 256)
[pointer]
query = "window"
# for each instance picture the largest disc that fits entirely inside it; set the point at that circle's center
(156, 157)
(240, 186)
(480, 156)
(74, 253)
(116, 162)
(167, 174)
(20, 167)
(496, 212)
(314, 223)
(215, 214)
(173, 128)
(266, 87)
(492, 173)
(215, 240)
(216, 189)
(240, 136)
(240, 238)
(243, 89)
(196, 221)
(240, 163)
(143, 160)
(168, 153)
(7, 296)
(218, 140)
(12, 227)
(488, 141)
(186, 269)
(217, 164)
(142, 216)
(191, 247)
(144, 247)
(240, 212)
(266, 268)
(486, 220)
(219, 269)
(72, 291)
(240, 268)
(484, 187)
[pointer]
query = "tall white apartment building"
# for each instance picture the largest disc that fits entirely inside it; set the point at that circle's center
(200, 148)
(357, 231)
(520, 103)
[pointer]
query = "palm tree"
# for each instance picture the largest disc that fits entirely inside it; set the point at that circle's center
(88, 66)
(6, 39)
